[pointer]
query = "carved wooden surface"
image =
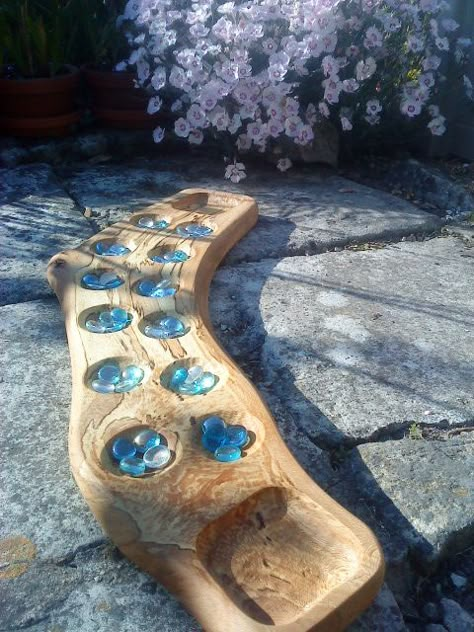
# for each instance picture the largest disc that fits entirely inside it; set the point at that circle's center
(246, 546)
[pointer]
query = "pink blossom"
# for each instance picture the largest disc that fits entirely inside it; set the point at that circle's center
(235, 172)
(284, 164)
(346, 124)
(158, 134)
(182, 128)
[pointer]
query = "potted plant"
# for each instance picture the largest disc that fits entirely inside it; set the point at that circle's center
(117, 100)
(37, 86)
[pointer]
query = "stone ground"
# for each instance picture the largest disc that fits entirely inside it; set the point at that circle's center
(351, 310)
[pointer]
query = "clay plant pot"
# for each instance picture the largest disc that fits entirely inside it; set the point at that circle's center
(39, 107)
(116, 102)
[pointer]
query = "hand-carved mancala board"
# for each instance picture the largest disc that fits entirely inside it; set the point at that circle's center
(230, 523)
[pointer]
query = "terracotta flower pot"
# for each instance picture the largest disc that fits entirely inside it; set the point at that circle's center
(39, 107)
(117, 102)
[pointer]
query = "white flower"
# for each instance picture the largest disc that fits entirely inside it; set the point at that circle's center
(284, 164)
(346, 124)
(410, 107)
(468, 86)
(437, 126)
(449, 24)
(426, 80)
(269, 46)
(158, 78)
(323, 109)
(235, 124)
(373, 38)
(373, 106)
(431, 63)
(372, 119)
(154, 105)
(415, 43)
(305, 135)
(196, 116)
(182, 128)
(255, 131)
(330, 65)
(228, 7)
(121, 66)
(158, 134)
(195, 137)
(442, 43)
(350, 85)
(365, 69)
(235, 172)
(292, 126)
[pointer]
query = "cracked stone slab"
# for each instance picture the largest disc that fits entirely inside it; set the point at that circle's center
(298, 213)
(37, 219)
(361, 343)
(417, 495)
(44, 505)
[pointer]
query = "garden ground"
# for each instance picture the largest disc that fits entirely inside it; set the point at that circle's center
(352, 312)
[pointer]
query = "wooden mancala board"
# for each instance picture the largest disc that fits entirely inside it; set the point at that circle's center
(248, 543)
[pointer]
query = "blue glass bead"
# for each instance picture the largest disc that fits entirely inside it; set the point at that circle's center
(214, 438)
(112, 250)
(160, 224)
(145, 440)
(146, 222)
(167, 327)
(157, 457)
(236, 436)
(227, 453)
(212, 422)
(194, 230)
(119, 315)
(179, 256)
(179, 376)
(133, 373)
(122, 448)
(94, 326)
(132, 465)
(100, 386)
(192, 388)
(207, 381)
(125, 386)
(106, 319)
(92, 282)
(110, 280)
(100, 248)
(194, 373)
(146, 287)
(109, 372)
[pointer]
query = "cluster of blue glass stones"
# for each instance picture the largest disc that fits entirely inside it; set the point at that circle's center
(166, 327)
(150, 222)
(108, 321)
(111, 249)
(192, 381)
(101, 281)
(144, 452)
(223, 440)
(158, 289)
(111, 378)
(171, 256)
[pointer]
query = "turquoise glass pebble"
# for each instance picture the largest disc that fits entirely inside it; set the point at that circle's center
(194, 230)
(192, 381)
(163, 288)
(236, 436)
(214, 438)
(149, 222)
(212, 422)
(111, 250)
(146, 439)
(109, 373)
(132, 465)
(157, 457)
(166, 327)
(108, 321)
(172, 256)
(227, 453)
(104, 281)
(110, 378)
(122, 448)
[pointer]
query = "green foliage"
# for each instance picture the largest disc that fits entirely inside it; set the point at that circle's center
(39, 37)
(414, 432)
(102, 43)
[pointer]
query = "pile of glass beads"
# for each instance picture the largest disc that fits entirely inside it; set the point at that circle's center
(224, 441)
(166, 327)
(172, 256)
(194, 230)
(111, 250)
(149, 288)
(192, 381)
(103, 281)
(144, 452)
(149, 222)
(108, 321)
(110, 378)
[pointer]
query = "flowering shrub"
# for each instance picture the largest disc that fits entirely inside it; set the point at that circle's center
(261, 71)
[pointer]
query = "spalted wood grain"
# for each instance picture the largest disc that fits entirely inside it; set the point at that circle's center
(252, 545)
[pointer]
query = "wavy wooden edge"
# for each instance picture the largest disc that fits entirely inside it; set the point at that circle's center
(246, 546)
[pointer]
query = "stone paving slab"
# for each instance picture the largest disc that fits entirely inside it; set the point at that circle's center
(88, 586)
(299, 214)
(416, 494)
(361, 343)
(37, 219)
